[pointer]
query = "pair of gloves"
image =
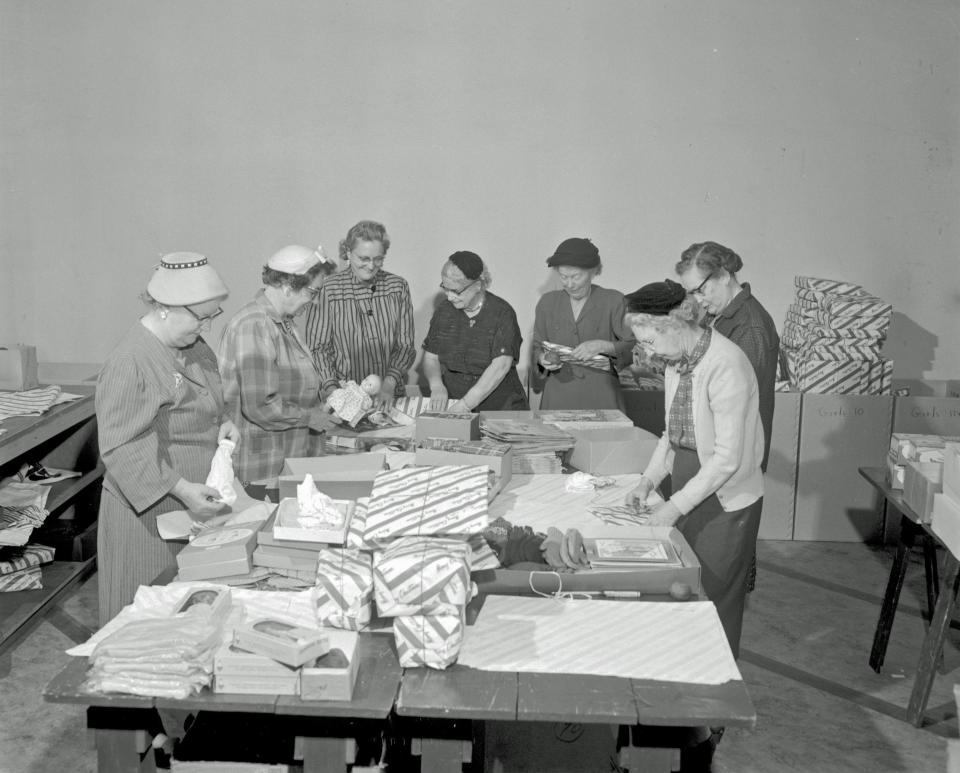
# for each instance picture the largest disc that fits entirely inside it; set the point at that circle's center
(564, 551)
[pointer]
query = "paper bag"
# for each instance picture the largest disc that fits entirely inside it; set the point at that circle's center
(18, 368)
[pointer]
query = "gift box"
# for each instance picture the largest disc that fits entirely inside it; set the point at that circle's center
(612, 451)
(428, 640)
(482, 556)
(915, 447)
(284, 642)
(16, 559)
(445, 424)
(273, 557)
(343, 595)
(333, 676)
(218, 552)
(921, 480)
(426, 501)
(237, 671)
(497, 457)
(216, 601)
(418, 576)
(828, 285)
(289, 524)
(819, 376)
(30, 578)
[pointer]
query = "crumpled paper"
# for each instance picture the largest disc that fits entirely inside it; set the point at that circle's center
(316, 509)
(221, 471)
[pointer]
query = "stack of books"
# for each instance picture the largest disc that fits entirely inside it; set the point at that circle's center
(537, 447)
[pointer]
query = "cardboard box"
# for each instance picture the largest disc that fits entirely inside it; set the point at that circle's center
(265, 537)
(288, 527)
(236, 671)
(652, 580)
(945, 522)
(612, 451)
(951, 470)
(501, 466)
(347, 476)
(428, 640)
(220, 552)
(325, 679)
(18, 368)
(921, 480)
(459, 426)
(928, 415)
(591, 418)
(839, 434)
(895, 475)
(914, 447)
(282, 641)
(299, 560)
(780, 479)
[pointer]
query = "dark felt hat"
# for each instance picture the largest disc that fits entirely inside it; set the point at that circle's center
(657, 298)
(469, 263)
(575, 252)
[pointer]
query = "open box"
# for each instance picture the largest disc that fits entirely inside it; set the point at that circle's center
(653, 580)
(613, 450)
(287, 527)
(333, 683)
(348, 476)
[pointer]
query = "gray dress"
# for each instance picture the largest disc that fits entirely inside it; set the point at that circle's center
(159, 412)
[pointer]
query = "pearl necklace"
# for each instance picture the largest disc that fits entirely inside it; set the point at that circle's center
(472, 313)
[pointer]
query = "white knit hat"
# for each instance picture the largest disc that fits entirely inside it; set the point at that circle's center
(185, 279)
(296, 259)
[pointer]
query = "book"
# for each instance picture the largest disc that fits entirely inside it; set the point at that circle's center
(630, 552)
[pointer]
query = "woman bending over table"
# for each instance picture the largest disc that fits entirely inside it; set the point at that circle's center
(712, 446)
(160, 416)
(471, 350)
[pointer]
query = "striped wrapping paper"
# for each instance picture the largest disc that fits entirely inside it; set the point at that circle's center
(422, 576)
(874, 324)
(798, 313)
(357, 532)
(428, 640)
(447, 500)
(478, 447)
(835, 348)
(828, 285)
(30, 578)
(638, 640)
(856, 305)
(482, 556)
(16, 559)
(414, 406)
(819, 376)
(879, 378)
(343, 595)
(804, 329)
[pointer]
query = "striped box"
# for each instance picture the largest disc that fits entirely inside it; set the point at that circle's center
(874, 324)
(428, 640)
(422, 576)
(357, 533)
(25, 557)
(482, 556)
(450, 500)
(856, 305)
(343, 595)
(879, 377)
(30, 578)
(828, 285)
(818, 376)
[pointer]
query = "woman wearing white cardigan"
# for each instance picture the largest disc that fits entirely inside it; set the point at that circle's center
(712, 446)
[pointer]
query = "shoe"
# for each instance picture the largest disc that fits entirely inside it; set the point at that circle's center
(699, 758)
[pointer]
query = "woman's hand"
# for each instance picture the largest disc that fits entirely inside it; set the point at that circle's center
(666, 514)
(637, 498)
(229, 431)
(549, 361)
(458, 406)
(590, 349)
(438, 398)
(384, 401)
(200, 500)
(322, 418)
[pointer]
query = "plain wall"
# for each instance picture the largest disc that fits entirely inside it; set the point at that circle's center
(815, 138)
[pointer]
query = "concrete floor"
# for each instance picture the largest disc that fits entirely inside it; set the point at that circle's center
(807, 637)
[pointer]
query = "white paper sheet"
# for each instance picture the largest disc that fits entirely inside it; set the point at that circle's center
(179, 525)
(637, 639)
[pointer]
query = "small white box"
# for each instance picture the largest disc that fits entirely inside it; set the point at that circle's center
(287, 525)
(282, 641)
(328, 679)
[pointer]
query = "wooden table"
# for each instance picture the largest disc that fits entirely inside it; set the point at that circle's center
(121, 723)
(940, 598)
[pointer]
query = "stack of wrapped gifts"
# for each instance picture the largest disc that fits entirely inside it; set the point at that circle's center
(20, 567)
(537, 446)
(832, 337)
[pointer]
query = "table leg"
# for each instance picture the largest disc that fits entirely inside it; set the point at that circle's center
(324, 755)
(908, 532)
(441, 755)
(650, 759)
(933, 642)
(931, 571)
(124, 751)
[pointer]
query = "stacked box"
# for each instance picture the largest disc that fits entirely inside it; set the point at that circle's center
(428, 640)
(832, 336)
(422, 576)
(921, 481)
(343, 595)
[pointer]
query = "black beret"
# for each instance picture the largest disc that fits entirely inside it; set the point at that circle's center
(469, 263)
(575, 252)
(656, 298)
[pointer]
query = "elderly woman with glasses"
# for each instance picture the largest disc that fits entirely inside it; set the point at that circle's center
(587, 321)
(471, 350)
(160, 417)
(271, 384)
(712, 446)
(362, 323)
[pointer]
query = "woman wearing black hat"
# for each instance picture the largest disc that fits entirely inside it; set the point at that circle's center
(471, 350)
(712, 447)
(578, 334)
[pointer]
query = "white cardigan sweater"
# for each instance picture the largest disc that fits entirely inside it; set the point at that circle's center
(727, 429)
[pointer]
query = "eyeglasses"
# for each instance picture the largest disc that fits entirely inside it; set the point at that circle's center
(366, 261)
(206, 318)
(698, 290)
(458, 293)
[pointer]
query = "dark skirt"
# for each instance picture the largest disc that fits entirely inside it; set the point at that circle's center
(725, 543)
(508, 396)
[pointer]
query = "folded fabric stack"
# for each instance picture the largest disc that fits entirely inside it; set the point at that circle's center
(168, 657)
(18, 523)
(537, 447)
(832, 337)
(20, 567)
(424, 584)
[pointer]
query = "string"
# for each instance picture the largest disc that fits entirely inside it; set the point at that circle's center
(559, 594)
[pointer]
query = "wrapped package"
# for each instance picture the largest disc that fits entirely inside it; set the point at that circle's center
(221, 472)
(422, 575)
(343, 595)
(357, 533)
(482, 556)
(428, 640)
(450, 500)
(30, 578)
(828, 285)
(17, 559)
(820, 376)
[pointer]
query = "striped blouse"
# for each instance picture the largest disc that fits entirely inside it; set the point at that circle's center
(355, 330)
(158, 416)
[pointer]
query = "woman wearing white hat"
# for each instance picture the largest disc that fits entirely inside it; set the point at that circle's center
(271, 383)
(160, 416)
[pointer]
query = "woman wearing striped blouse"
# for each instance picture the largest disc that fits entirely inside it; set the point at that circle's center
(160, 416)
(362, 322)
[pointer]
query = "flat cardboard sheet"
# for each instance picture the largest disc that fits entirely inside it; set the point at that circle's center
(671, 642)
